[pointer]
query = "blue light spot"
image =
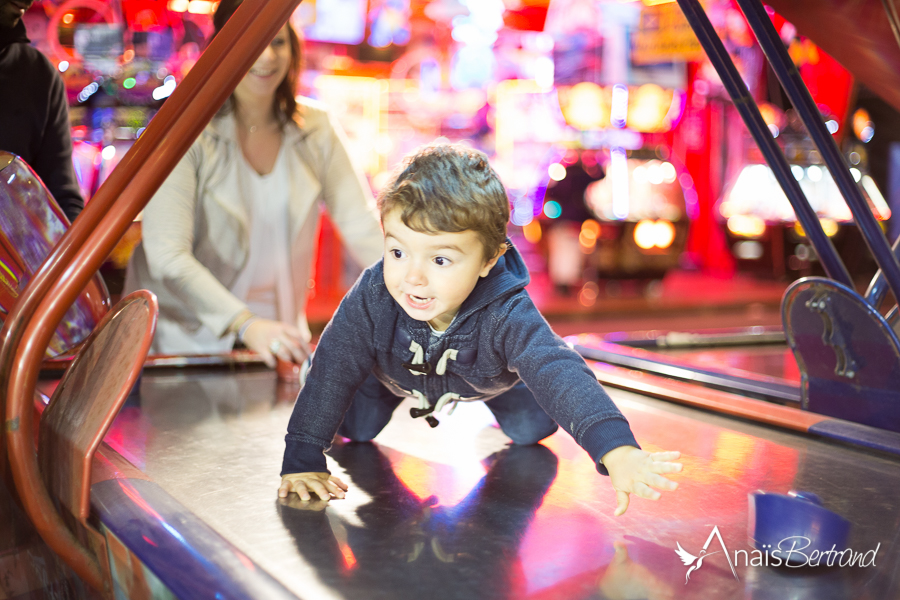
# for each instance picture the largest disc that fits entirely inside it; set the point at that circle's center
(552, 209)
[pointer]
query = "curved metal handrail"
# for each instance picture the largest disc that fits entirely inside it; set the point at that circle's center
(92, 237)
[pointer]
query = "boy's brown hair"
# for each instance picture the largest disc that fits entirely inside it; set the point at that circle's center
(449, 188)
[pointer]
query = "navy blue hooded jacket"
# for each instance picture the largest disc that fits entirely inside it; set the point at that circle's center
(499, 339)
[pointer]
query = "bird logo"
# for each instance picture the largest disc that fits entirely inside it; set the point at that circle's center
(688, 559)
(694, 562)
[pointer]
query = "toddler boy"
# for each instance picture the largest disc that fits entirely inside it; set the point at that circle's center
(445, 318)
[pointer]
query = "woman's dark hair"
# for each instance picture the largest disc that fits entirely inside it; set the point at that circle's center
(286, 107)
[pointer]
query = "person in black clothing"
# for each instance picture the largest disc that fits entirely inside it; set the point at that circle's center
(34, 116)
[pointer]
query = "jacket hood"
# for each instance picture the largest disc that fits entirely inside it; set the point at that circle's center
(13, 35)
(509, 275)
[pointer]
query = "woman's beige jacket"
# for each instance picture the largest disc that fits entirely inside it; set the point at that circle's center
(196, 228)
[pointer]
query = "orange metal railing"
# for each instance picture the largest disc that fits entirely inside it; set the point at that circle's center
(92, 237)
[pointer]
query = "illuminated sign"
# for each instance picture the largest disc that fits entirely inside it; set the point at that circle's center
(664, 35)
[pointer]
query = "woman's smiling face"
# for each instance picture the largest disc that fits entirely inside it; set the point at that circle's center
(430, 275)
(270, 68)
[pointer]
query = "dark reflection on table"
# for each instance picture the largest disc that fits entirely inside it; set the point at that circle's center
(28, 568)
(408, 547)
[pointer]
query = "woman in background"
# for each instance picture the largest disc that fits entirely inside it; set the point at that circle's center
(229, 238)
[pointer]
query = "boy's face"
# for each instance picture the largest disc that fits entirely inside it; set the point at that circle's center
(431, 275)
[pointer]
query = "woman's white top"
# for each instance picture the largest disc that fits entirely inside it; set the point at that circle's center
(265, 284)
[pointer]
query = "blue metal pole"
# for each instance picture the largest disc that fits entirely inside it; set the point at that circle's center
(806, 107)
(749, 112)
(878, 286)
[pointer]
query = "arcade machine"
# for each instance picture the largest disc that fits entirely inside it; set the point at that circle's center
(760, 225)
(597, 188)
(611, 204)
(179, 499)
(640, 206)
(764, 235)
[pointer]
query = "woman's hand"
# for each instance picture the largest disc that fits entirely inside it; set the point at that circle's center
(274, 339)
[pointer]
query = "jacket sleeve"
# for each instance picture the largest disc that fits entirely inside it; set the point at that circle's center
(561, 382)
(348, 198)
(343, 360)
(168, 226)
(53, 161)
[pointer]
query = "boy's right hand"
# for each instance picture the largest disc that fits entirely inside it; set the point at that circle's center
(325, 485)
(633, 471)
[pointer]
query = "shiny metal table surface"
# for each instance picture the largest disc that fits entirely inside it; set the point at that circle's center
(771, 360)
(453, 512)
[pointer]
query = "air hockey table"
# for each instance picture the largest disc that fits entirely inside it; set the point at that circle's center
(457, 512)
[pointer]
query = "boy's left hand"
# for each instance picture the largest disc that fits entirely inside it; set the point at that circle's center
(632, 470)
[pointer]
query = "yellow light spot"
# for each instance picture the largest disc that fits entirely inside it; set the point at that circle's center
(665, 234)
(557, 172)
(591, 226)
(201, 7)
(532, 231)
(748, 226)
(587, 241)
(648, 106)
(643, 234)
(585, 106)
(654, 234)
(829, 226)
